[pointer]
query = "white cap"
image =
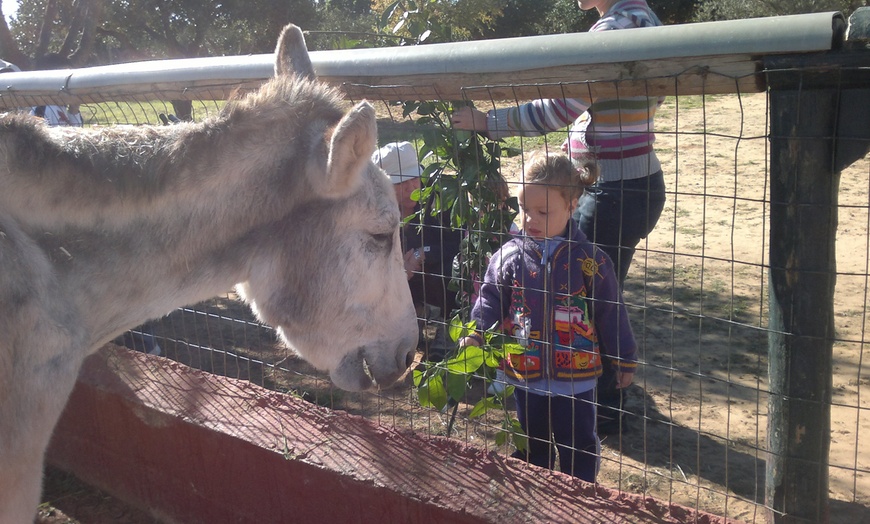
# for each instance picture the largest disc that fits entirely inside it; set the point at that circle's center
(399, 160)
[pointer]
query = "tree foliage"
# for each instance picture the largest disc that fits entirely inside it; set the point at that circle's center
(67, 33)
(675, 11)
(431, 21)
(70, 33)
(51, 33)
(537, 17)
(566, 17)
(190, 28)
(708, 10)
(541, 17)
(346, 24)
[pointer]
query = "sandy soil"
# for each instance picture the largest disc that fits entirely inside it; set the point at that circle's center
(698, 297)
(701, 293)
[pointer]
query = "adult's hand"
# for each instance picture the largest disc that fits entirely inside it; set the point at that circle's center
(469, 119)
(413, 259)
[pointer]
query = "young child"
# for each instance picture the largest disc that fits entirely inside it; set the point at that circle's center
(558, 296)
(627, 200)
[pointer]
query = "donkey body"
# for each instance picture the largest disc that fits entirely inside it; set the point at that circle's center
(103, 229)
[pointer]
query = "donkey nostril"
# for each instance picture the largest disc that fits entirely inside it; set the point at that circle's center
(409, 359)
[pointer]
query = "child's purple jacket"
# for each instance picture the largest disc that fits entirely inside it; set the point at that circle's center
(564, 311)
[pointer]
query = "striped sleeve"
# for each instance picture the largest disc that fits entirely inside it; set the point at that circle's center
(535, 118)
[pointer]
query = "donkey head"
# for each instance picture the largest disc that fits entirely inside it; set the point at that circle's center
(331, 278)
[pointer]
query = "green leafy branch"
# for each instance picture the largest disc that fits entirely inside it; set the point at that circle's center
(440, 384)
(463, 175)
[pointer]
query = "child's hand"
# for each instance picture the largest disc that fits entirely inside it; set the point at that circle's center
(623, 379)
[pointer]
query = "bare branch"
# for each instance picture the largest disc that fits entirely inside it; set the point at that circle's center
(88, 16)
(45, 29)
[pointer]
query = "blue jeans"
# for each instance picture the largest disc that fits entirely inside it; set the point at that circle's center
(570, 421)
(617, 215)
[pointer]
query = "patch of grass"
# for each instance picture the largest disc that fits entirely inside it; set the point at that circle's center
(696, 101)
(688, 230)
(141, 113)
(682, 212)
(551, 141)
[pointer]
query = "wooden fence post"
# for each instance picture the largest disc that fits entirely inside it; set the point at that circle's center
(803, 215)
(818, 126)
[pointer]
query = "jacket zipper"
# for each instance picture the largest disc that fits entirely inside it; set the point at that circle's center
(550, 313)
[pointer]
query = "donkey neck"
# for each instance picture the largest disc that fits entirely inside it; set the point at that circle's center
(110, 178)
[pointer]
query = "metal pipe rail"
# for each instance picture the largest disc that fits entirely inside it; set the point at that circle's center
(703, 58)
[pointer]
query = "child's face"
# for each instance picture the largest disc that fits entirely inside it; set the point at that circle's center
(544, 211)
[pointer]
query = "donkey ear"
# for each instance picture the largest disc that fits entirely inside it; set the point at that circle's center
(350, 150)
(291, 54)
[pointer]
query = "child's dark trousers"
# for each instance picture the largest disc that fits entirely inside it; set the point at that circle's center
(569, 422)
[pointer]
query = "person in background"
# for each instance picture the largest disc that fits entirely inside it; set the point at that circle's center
(558, 296)
(428, 249)
(59, 115)
(626, 203)
(53, 115)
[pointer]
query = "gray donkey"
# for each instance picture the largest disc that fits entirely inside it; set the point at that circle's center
(276, 195)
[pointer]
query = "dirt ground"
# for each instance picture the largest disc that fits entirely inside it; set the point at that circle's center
(697, 292)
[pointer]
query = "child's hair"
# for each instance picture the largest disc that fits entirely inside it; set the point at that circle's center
(569, 177)
(499, 187)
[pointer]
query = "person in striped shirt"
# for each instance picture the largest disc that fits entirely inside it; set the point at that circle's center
(623, 207)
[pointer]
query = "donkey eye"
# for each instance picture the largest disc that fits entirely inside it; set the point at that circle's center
(382, 241)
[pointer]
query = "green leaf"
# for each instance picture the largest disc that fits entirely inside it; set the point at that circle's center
(511, 151)
(432, 393)
(492, 359)
(456, 385)
(521, 441)
(457, 330)
(388, 12)
(482, 406)
(408, 108)
(469, 360)
(426, 108)
(511, 348)
(462, 135)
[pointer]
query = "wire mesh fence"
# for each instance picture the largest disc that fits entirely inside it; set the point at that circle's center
(697, 415)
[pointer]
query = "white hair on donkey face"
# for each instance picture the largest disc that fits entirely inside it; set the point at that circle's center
(103, 229)
(349, 250)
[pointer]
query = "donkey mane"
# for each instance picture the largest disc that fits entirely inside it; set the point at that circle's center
(287, 97)
(77, 170)
(43, 156)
